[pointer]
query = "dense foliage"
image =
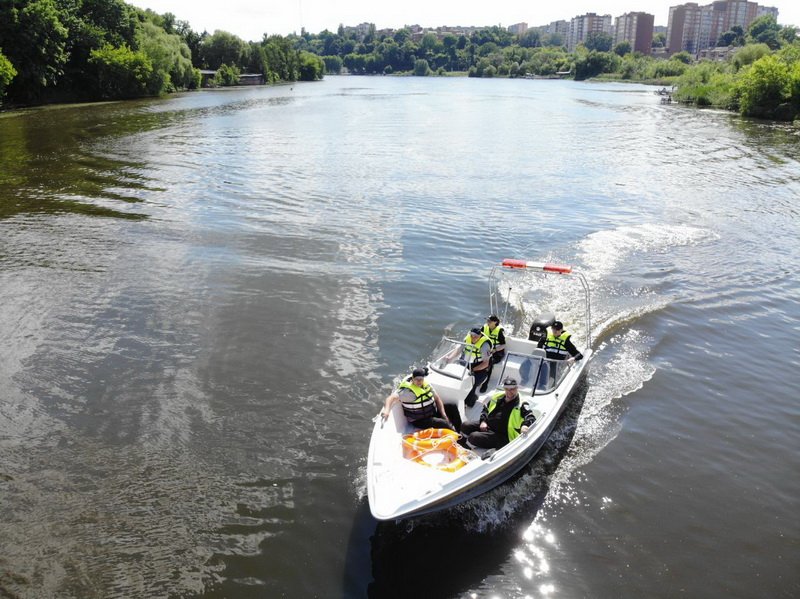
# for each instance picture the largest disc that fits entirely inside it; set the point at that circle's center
(756, 80)
(60, 50)
(66, 50)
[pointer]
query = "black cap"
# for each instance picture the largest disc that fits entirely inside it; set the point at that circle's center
(417, 372)
(493, 318)
(476, 331)
(557, 324)
(509, 382)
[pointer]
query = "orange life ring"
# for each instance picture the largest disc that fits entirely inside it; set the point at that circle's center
(424, 446)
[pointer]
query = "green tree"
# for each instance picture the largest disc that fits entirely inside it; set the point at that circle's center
(788, 34)
(168, 54)
(765, 30)
(732, 37)
(622, 48)
(221, 48)
(659, 40)
(312, 68)
(333, 64)
(7, 73)
(227, 75)
(764, 86)
(590, 64)
(531, 39)
(749, 54)
(122, 73)
(34, 40)
(683, 57)
(598, 40)
(421, 68)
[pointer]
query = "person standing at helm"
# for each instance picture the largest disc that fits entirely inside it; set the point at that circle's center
(558, 345)
(420, 402)
(477, 353)
(496, 335)
(503, 419)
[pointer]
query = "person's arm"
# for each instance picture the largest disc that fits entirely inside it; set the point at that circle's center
(575, 355)
(501, 342)
(387, 405)
(528, 419)
(542, 341)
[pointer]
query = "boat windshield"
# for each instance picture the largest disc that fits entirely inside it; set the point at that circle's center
(526, 368)
(448, 359)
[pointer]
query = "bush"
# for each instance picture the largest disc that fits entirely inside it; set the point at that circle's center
(123, 73)
(227, 75)
(763, 87)
(667, 68)
(312, 67)
(333, 64)
(749, 54)
(421, 68)
(7, 73)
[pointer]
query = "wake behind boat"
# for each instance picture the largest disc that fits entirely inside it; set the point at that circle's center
(412, 472)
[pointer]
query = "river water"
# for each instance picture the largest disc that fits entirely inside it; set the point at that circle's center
(205, 298)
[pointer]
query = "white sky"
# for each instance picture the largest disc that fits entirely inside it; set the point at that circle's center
(250, 19)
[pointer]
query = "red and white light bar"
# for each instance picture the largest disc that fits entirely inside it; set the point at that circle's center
(543, 266)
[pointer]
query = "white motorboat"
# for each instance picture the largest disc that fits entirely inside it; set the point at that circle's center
(407, 476)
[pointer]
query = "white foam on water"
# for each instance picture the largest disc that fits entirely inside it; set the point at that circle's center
(602, 252)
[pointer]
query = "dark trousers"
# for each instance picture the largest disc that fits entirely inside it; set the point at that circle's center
(498, 357)
(487, 439)
(480, 376)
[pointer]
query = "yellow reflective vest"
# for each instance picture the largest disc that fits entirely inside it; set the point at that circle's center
(515, 420)
(423, 405)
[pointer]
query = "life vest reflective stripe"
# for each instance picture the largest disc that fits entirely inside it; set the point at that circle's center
(492, 335)
(555, 346)
(423, 405)
(472, 352)
(515, 419)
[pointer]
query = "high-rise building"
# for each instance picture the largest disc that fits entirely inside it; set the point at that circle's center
(518, 28)
(636, 28)
(694, 28)
(581, 26)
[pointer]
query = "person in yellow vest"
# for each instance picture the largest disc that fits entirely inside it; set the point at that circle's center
(558, 344)
(477, 353)
(420, 402)
(497, 336)
(504, 418)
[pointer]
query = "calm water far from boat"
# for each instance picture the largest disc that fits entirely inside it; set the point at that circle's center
(206, 297)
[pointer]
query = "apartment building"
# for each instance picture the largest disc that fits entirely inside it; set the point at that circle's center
(581, 26)
(636, 28)
(518, 28)
(694, 28)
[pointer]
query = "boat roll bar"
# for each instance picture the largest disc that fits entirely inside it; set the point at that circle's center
(546, 268)
(543, 266)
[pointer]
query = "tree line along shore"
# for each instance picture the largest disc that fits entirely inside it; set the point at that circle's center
(87, 50)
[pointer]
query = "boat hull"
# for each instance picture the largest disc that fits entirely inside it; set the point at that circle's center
(390, 500)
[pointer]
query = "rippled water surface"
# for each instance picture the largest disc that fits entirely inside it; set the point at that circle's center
(205, 298)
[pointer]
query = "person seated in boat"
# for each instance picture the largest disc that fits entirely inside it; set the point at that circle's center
(496, 335)
(420, 402)
(558, 344)
(477, 353)
(504, 418)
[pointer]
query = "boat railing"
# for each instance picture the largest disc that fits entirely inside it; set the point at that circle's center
(498, 295)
